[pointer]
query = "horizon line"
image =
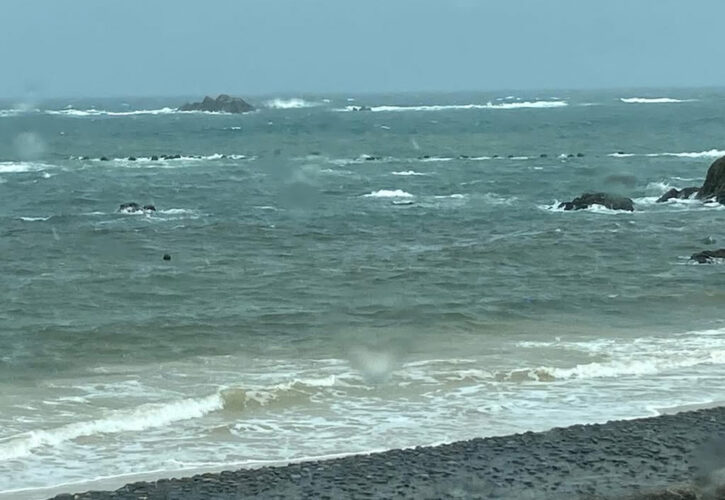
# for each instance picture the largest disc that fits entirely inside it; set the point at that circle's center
(292, 94)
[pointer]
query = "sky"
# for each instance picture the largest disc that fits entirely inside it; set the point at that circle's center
(99, 48)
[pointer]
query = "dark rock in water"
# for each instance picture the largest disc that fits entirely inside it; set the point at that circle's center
(714, 186)
(133, 207)
(609, 201)
(103, 158)
(495, 156)
(707, 256)
(85, 158)
(681, 194)
(167, 256)
(580, 155)
(361, 108)
(224, 103)
(170, 157)
(463, 157)
(154, 158)
(620, 152)
(570, 155)
(130, 207)
(543, 155)
(131, 158)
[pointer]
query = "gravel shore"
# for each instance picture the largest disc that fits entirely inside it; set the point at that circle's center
(665, 457)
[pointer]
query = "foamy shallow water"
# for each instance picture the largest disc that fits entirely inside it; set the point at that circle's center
(338, 287)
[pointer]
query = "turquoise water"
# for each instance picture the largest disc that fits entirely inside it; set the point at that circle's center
(345, 281)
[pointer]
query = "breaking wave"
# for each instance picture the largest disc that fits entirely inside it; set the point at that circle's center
(713, 153)
(389, 193)
(11, 167)
(141, 418)
(294, 103)
(652, 100)
(450, 107)
(102, 112)
(408, 173)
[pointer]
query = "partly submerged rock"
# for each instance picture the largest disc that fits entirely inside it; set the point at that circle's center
(714, 186)
(224, 104)
(680, 194)
(133, 207)
(609, 201)
(707, 256)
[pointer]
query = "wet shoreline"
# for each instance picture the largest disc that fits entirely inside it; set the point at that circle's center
(611, 460)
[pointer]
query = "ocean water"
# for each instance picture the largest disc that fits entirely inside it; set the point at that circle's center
(345, 281)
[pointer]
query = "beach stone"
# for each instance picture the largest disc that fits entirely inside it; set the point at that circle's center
(609, 201)
(714, 185)
(707, 256)
(681, 194)
(223, 103)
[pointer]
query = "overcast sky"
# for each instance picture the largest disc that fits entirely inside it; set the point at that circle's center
(54, 48)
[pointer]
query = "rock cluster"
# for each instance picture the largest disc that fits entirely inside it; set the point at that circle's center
(222, 104)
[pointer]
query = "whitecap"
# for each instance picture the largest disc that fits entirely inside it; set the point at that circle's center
(389, 193)
(103, 112)
(456, 196)
(652, 100)
(293, 103)
(12, 167)
(408, 173)
(451, 107)
(34, 219)
(712, 153)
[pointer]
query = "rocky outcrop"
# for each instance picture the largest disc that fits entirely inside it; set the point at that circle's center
(133, 207)
(680, 194)
(714, 186)
(222, 104)
(609, 201)
(707, 256)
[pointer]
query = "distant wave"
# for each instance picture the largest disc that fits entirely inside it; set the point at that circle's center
(408, 173)
(713, 153)
(389, 193)
(450, 107)
(146, 161)
(34, 219)
(293, 103)
(103, 112)
(11, 167)
(652, 100)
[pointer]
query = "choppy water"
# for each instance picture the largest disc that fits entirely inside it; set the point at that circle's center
(345, 281)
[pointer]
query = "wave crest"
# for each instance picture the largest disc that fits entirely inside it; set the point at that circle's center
(389, 193)
(652, 100)
(451, 107)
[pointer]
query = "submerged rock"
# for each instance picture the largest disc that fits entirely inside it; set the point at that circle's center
(707, 256)
(680, 194)
(609, 201)
(714, 186)
(224, 103)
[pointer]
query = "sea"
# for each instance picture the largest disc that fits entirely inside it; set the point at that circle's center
(346, 274)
